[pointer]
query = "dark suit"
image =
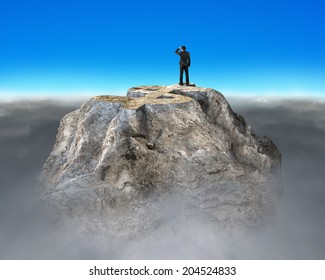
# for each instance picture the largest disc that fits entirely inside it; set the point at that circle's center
(185, 62)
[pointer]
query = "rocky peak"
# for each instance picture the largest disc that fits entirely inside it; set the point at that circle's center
(118, 161)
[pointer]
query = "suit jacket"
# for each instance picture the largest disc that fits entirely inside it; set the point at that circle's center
(185, 58)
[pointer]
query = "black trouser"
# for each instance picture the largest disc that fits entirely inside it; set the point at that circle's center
(182, 69)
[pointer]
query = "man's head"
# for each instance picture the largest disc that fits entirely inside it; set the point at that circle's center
(183, 48)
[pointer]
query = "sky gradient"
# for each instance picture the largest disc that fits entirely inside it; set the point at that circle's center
(73, 48)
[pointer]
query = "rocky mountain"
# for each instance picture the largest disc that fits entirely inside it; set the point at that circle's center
(123, 166)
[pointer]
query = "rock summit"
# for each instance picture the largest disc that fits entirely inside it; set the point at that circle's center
(124, 166)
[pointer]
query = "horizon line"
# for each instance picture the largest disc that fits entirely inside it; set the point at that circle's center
(8, 95)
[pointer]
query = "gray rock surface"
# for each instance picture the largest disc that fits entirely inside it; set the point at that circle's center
(124, 166)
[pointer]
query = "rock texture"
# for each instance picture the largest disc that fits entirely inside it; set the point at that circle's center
(124, 166)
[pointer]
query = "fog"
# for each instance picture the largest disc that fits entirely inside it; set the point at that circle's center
(297, 127)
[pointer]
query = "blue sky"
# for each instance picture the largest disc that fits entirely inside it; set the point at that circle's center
(72, 48)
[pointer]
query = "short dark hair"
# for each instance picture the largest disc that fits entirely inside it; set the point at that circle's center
(184, 48)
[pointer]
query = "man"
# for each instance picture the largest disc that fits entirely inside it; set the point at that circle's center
(185, 62)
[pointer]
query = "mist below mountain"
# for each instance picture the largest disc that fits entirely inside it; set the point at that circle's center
(297, 127)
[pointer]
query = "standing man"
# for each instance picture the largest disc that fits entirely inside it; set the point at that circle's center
(184, 63)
